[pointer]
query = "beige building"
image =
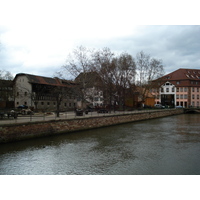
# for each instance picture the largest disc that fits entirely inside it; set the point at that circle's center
(180, 88)
(44, 93)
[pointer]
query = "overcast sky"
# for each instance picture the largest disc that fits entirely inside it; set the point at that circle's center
(37, 35)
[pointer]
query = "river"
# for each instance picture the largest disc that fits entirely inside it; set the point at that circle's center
(164, 146)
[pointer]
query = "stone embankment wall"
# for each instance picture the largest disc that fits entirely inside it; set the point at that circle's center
(15, 132)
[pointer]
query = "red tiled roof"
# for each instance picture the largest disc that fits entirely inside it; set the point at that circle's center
(182, 74)
(183, 77)
(46, 80)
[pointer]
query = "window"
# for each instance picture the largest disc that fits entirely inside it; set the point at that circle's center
(185, 89)
(181, 89)
(197, 96)
(177, 96)
(167, 89)
(162, 90)
(181, 96)
(173, 89)
(193, 89)
(197, 89)
(177, 89)
(193, 96)
(178, 82)
(185, 96)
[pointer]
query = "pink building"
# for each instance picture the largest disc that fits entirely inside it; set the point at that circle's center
(180, 88)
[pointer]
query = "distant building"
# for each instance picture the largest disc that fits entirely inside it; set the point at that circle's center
(135, 98)
(91, 86)
(6, 94)
(44, 93)
(180, 88)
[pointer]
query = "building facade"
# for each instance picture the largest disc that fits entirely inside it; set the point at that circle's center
(180, 88)
(91, 85)
(44, 93)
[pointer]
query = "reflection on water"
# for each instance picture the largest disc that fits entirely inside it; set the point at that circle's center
(169, 145)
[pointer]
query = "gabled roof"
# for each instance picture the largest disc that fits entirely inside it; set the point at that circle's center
(34, 79)
(91, 79)
(183, 77)
(183, 74)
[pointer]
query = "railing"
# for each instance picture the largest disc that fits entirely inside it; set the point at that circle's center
(38, 117)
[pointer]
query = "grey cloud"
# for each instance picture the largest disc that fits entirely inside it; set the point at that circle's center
(177, 46)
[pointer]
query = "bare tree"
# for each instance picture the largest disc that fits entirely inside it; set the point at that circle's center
(105, 67)
(124, 74)
(79, 65)
(79, 61)
(6, 89)
(5, 75)
(148, 69)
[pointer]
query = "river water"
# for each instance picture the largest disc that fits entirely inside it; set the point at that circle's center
(169, 145)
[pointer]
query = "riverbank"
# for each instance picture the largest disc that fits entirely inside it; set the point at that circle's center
(28, 130)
